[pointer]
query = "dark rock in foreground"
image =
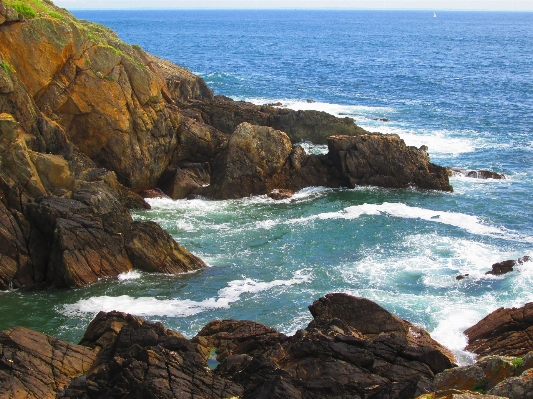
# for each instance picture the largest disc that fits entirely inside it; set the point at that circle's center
(331, 358)
(505, 332)
(123, 356)
(34, 365)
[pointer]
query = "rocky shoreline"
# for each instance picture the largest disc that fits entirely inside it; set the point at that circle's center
(353, 348)
(88, 122)
(89, 125)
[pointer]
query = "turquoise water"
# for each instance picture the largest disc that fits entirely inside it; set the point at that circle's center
(460, 84)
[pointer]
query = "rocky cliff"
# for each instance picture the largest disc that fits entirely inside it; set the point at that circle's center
(87, 122)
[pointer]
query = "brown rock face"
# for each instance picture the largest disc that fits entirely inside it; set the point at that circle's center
(139, 359)
(384, 160)
(251, 163)
(506, 332)
(331, 358)
(225, 114)
(34, 365)
(507, 266)
(80, 112)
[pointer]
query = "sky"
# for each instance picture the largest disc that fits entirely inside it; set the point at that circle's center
(494, 5)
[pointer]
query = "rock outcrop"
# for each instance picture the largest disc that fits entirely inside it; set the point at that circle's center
(507, 266)
(85, 121)
(139, 359)
(121, 355)
(505, 332)
(331, 357)
(34, 365)
(316, 126)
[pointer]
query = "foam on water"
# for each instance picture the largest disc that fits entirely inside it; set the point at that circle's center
(471, 224)
(150, 306)
(131, 275)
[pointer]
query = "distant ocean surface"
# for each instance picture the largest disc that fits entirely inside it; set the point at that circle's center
(461, 83)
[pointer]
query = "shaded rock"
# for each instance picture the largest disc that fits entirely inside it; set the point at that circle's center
(485, 174)
(329, 359)
(476, 174)
(280, 194)
(384, 160)
(142, 359)
(152, 249)
(505, 332)
(225, 114)
(180, 181)
(507, 266)
(34, 365)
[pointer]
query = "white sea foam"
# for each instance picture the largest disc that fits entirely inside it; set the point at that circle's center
(131, 275)
(150, 306)
(470, 223)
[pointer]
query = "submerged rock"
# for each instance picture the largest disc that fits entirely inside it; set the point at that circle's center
(507, 266)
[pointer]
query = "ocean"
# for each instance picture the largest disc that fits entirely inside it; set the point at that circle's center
(460, 83)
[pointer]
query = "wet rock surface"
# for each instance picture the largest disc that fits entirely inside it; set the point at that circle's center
(507, 266)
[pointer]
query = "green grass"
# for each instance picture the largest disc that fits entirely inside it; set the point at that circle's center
(25, 10)
(517, 362)
(480, 387)
(54, 14)
(7, 68)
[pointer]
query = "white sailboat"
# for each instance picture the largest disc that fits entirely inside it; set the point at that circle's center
(434, 15)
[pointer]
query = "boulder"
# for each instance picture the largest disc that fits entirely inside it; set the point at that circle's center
(504, 332)
(140, 359)
(384, 160)
(328, 359)
(179, 182)
(507, 266)
(35, 365)
(252, 162)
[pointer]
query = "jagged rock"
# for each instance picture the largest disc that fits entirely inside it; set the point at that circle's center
(252, 162)
(35, 365)
(225, 114)
(505, 332)
(329, 359)
(458, 394)
(507, 265)
(145, 360)
(384, 160)
(152, 249)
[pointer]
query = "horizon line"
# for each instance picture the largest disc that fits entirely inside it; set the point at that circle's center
(298, 9)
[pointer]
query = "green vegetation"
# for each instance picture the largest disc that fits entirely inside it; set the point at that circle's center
(25, 10)
(7, 68)
(480, 387)
(54, 14)
(517, 362)
(35, 8)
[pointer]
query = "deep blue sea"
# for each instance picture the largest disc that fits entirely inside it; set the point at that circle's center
(460, 83)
